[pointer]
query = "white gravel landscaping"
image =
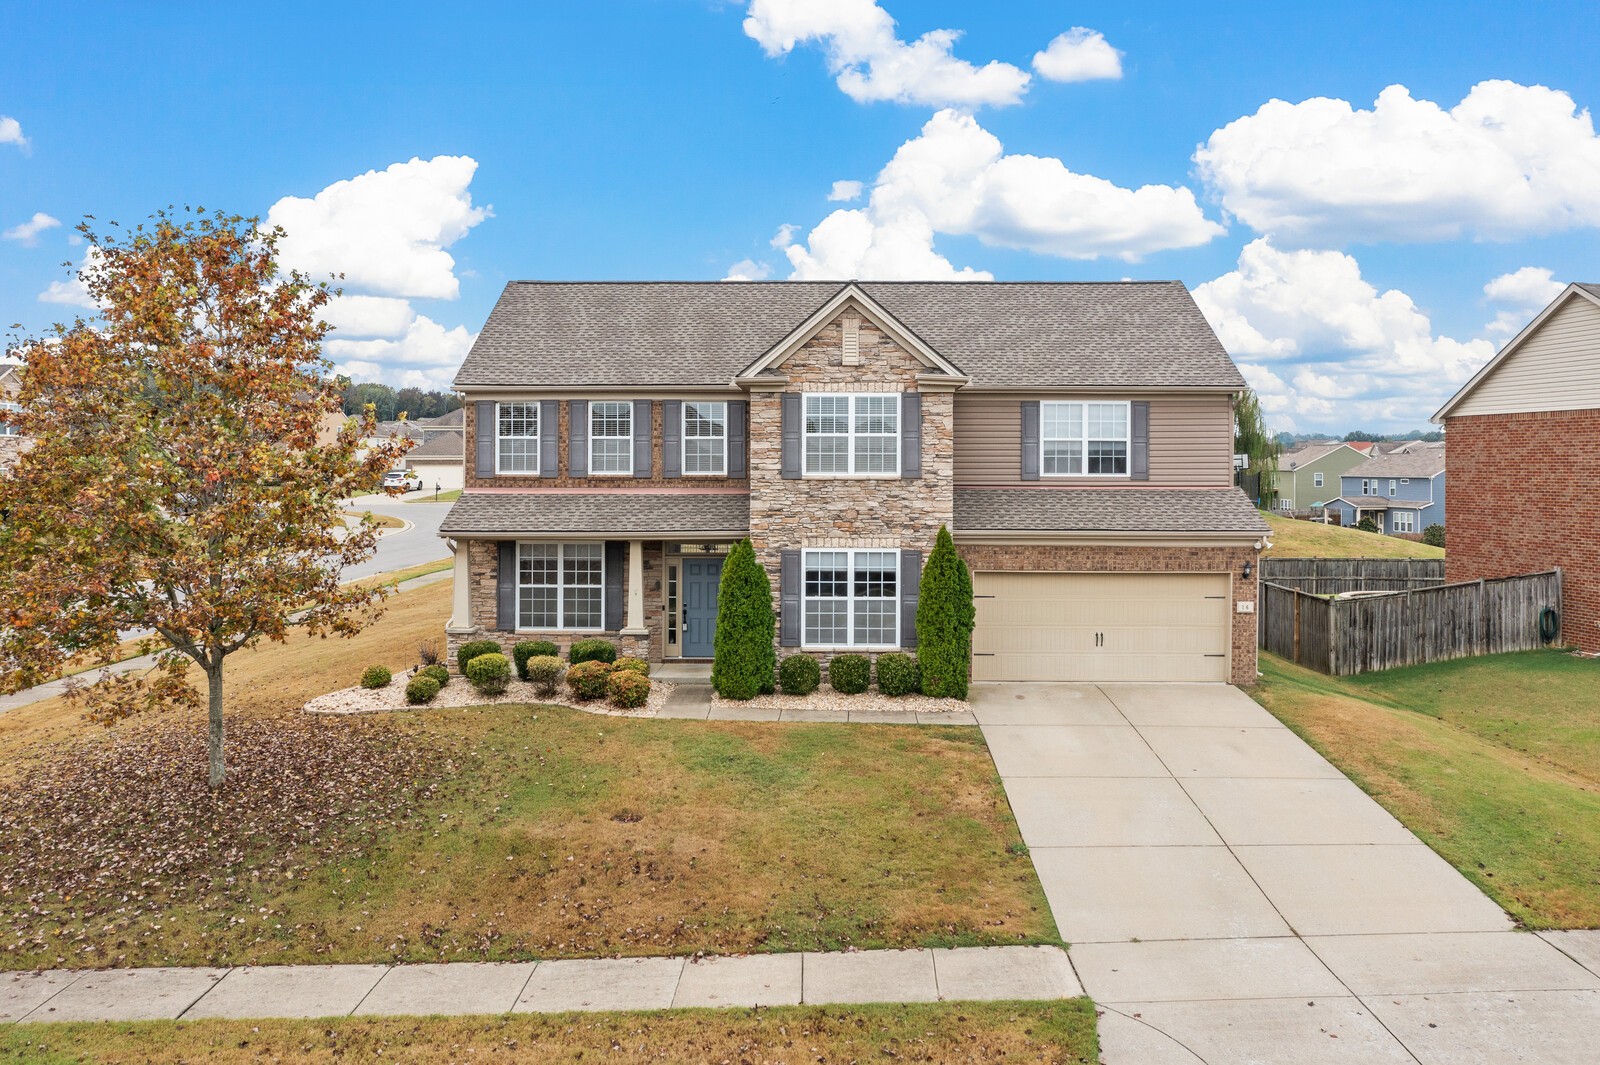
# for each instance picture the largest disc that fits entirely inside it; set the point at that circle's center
(825, 698)
(460, 693)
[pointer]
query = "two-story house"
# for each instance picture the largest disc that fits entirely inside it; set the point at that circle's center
(1402, 491)
(10, 442)
(1076, 438)
(1309, 477)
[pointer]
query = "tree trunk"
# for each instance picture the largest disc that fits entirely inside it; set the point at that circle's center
(214, 691)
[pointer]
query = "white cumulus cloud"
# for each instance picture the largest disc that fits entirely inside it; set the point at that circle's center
(955, 178)
(11, 132)
(28, 232)
(387, 230)
(1313, 337)
(1520, 295)
(1508, 161)
(73, 292)
(844, 191)
(1080, 54)
(871, 63)
(424, 342)
(369, 316)
(748, 270)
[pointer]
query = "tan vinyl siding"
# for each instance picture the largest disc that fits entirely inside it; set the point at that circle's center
(1191, 440)
(1557, 368)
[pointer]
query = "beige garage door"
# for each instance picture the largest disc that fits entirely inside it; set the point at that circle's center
(1101, 626)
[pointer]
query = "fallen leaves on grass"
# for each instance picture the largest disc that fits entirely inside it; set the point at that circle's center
(98, 843)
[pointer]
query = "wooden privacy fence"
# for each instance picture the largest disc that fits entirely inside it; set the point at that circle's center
(1330, 576)
(1366, 633)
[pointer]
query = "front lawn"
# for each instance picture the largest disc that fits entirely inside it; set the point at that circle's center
(1493, 761)
(1058, 1032)
(1292, 538)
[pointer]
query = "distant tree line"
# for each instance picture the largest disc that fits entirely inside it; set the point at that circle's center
(1290, 440)
(390, 404)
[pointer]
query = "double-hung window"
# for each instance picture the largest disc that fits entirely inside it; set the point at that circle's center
(1083, 439)
(1403, 521)
(560, 586)
(852, 598)
(517, 438)
(1316, 480)
(611, 437)
(6, 408)
(1391, 488)
(1367, 488)
(705, 438)
(852, 434)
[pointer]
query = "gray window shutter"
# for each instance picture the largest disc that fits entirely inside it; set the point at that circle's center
(487, 430)
(578, 438)
(910, 435)
(549, 438)
(791, 433)
(505, 586)
(641, 438)
(910, 589)
(738, 415)
(789, 581)
(671, 438)
(1030, 440)
(616, 575)
(1139, 442)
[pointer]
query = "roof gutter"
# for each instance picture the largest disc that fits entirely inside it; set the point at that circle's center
(1107, 538)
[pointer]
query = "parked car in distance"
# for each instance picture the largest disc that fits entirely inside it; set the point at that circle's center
(402, 479)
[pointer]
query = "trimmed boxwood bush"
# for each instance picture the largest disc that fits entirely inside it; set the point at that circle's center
(627, 689)
(588, 679)
(531, 649)
(744, 662)
(472, 649)
(637, 665)
(376, 677)
(421, 690)
(543, 672)
(1368, 524)
(1433, 535)
(592, 651)
(490, 673)
(897, 674)
(799, 675)
(439, 672)
(945, 617)
(849, 674)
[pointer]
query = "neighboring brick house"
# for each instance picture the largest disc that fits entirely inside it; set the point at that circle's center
(1076, 438)
(1402, 491)
(1524, 439)
(1309, 476)
(10, 442)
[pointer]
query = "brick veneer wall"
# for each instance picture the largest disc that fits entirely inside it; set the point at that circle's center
(482, 567)
(1094, 559)
(1522, 491)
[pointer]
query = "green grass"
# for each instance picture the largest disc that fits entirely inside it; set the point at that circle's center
(442, 497)
(1061, 1032)
(1493, 761)
(1310, 539)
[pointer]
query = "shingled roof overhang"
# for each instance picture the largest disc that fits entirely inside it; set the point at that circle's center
(545, 514)
(1109, 515)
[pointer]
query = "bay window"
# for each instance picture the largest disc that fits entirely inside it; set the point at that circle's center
(516, 438)
(611, 437)
(851, 598)
(852, 434)
(1083, 439)
(560, 586)
(705, 438)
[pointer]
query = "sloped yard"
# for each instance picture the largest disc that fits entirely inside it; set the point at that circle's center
(1311, 539)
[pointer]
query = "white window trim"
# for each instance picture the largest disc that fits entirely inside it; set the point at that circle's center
(1127, 441)
(850, 436)
(1410, 523)
(628, 406)
(538, 445)
(850, 599)
(683, 439)
(1393, 488)
(1317, 481)
(560, 586)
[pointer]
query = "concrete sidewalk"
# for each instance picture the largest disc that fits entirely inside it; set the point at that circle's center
(1231, 897)
(296, 991)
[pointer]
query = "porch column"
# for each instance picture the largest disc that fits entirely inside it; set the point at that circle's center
(461, 592)
(635, 623)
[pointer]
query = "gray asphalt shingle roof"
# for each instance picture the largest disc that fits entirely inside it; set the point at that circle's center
(1197, 510)
(1424, 462)
(1001, 334)
(603, 513)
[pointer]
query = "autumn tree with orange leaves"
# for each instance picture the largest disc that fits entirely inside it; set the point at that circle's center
(176, 483)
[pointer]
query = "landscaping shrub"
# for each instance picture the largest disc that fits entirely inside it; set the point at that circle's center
(531, 649)
(472, 649)
(1433, 535)
(421, 690)
(427, 652)
(744, 661)
(638, 665)
(627, 689)
(1368, 524)
(592, 651)
(799, 675)
(945, 617)
(849, 674)
(439, 672)
(588, 679)
(376, 677)
(490, 673)
(543, 672)
(898, 674)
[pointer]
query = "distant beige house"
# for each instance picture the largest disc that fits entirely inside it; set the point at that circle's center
(439, 463)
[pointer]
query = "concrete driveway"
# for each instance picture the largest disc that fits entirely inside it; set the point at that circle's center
(1230, 897)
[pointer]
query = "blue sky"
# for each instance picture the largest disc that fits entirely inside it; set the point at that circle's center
(1342, 253)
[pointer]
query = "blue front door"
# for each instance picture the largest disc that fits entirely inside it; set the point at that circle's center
(701, 578)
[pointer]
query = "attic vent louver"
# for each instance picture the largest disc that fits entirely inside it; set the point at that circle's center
(852, 341)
